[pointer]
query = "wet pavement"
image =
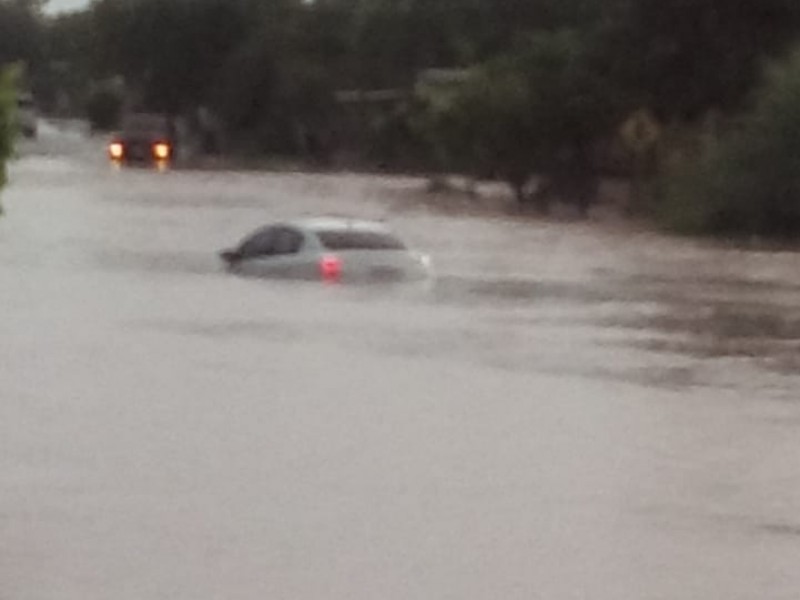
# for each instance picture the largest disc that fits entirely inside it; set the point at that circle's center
(573, 411)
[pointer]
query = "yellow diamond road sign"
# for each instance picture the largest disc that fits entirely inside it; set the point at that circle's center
(641, 130)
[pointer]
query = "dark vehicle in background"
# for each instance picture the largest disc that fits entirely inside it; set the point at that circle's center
(143, 138)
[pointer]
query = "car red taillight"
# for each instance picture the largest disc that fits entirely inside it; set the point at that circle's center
(330, 268)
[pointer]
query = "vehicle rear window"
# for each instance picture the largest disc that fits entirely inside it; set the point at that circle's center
(359, 240)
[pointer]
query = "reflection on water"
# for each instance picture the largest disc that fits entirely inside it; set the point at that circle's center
(732, 323)
(768, 334)
(485, 289)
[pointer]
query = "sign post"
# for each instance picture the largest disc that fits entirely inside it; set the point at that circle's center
(640, 134)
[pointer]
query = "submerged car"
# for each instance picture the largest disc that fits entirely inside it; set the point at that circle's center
(147, 139)
(327, 249)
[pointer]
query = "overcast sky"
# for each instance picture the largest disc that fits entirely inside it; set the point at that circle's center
(56, 6)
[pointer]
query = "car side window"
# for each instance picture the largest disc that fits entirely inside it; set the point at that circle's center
(259, 244)
(287, 241)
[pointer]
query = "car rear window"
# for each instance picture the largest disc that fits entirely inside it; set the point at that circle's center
(359, 240)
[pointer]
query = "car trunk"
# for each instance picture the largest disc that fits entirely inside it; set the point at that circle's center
(380, 265)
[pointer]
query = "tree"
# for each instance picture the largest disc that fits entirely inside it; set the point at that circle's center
(21, 35)
(68, 66)
(276, 89)
(686, 57)
(8, 102)
(748, 183)
(537, 110)
(394, 39)
(168, 51)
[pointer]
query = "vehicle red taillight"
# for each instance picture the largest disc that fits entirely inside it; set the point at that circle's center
(330, 267)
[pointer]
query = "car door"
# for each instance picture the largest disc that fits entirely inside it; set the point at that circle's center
(274, 252)
(255, 252)
(286, 260)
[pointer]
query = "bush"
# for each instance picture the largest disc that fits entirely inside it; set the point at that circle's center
(537, 110)
(749, 183)
(8, 104)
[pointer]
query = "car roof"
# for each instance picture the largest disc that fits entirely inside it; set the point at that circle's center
(338, 224)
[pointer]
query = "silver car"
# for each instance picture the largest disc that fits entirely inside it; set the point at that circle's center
(327, 249)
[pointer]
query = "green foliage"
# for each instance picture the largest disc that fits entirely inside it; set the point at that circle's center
(520, 113)
(684, 58)
(21, 32)
(394, 39)
(169, 52)
(66, 78)
(749, 183)
(533, 99)
(274, 92)
(8, 97)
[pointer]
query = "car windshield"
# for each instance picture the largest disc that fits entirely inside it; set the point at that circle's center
(145, 123)
(359, 240)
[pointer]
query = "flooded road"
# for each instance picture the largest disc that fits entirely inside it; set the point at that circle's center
(574, 411)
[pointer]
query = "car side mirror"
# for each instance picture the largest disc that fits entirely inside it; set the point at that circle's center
(230, 256)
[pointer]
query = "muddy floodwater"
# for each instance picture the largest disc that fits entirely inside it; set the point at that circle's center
(573, 411)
